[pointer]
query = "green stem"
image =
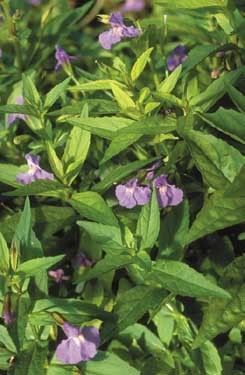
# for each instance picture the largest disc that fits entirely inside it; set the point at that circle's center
(12, 33)
(93, 13)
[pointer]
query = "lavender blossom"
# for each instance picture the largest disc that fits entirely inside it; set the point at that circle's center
(176, 57)
(35, 171)
(80, 260)
(63, 59)
(81, 344)
(58, 275)
(12, 117)
(133, 6)
(131, 194)
(117, 32)
(7, 315)
(167, 195)
(151, 171)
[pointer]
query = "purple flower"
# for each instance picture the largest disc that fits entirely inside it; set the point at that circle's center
(131, 194)
(7, 315)
(133, 6)
(63, 59)
(167, 195)
(80, 260)
(58, 275)
(117, 32)
(35, 171)
(14, 116)
(151, 171)
(176, 57)
(81, 344)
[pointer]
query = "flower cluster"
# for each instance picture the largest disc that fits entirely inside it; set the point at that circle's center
(132, 193)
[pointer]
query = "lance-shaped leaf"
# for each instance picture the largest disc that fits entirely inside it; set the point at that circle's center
(181, 279)
(140, 64)
(33, 266)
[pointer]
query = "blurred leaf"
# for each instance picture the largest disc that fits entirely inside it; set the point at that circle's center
(237, 97)
(31, 360)
(30, 92)
(15, 108)
(6, 340)
(96, 85)
(8, 173)
(211, 359)
(4, 255)
(140, 64)
(55, 162)
(192, 4)
(40, 187)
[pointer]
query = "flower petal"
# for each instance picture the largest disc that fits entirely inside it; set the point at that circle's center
(142, 195)
(108, 38)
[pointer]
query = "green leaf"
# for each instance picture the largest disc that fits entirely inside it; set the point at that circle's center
(41, 187)
(105, 127)
(131, 306)
(92, 206)
(55, 93)
(6, 340)
(76, 149)
(218, 162)
(31, 360)
(4, 255)
(148, 224)
(107, 264)
(183, 280)
(15, 108)
(55, 162)
(221, 315)
(33, 266)
(193, 4)
(8, 173)
(170, 82)
(109, 237)
(227, 121)
(237, 97)
(223, 209)
(197, 55)
(173, 233)
(140, 64)
(54, 369)
(108, 364)
(119, 172)
(123, 99)
(73, 310)
(47, 220)
(30, 92)
(104, 84)
(216, 90)
(211, 359)
(118, 144)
